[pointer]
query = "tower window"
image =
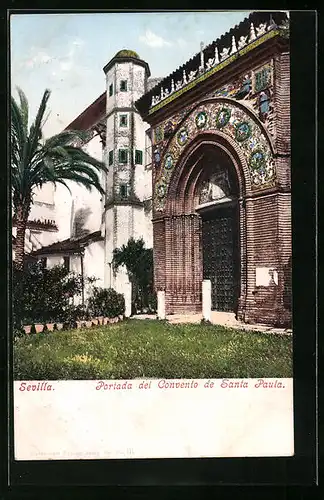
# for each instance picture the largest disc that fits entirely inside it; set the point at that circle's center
(123, 190)
(66, 263)
(123, 120)
(111, 157)
(123, 156)
(123, 86)
(111, 90)
(138, 157)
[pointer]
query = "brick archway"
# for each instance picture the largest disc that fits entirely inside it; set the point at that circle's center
(180, 268)
(182, 194)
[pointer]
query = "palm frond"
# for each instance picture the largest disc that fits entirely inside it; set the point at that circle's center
(24, 109)
(35, 132)
(57, 160)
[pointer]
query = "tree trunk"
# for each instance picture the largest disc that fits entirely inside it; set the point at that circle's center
(21, 224)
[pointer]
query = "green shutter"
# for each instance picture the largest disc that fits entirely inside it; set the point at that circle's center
(111, 157)
(138, 157)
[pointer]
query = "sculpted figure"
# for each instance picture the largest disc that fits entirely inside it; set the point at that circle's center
(242, 42)
(224, 54)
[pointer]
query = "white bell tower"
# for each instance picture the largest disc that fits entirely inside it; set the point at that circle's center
(127, 181)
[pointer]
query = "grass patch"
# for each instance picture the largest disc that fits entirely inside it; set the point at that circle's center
(152, 349)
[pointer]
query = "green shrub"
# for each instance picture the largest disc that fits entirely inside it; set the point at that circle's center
(43, 295)
(138, 261)
(106, 302)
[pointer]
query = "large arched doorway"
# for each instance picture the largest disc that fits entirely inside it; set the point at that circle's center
(217, 195)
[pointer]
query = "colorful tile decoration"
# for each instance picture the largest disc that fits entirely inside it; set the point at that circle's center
(168, 162)
(223, 117)
(232, 121)
(182, 137)
(201, 119)
(161, 189)
(243, 131)
(262, 79)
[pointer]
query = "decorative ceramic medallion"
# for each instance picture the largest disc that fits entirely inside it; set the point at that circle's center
(223, 117)
(161, 190)
(168, 162)
(182, 137)
(201, 119)
(257, 160)
(242, 132)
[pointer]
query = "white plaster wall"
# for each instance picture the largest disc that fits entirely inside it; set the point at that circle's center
(139, 223)
(93, 262)
(139, 81)
(142, 179)
(125, 222)
(45, 194)
(149, 230)
(75, 264)
(109, 246)
(110, 146)
(54, 260)
(44, 238)
(88, 204)
(63, 211)
(80, 202)
(111, 79)
(42, 210)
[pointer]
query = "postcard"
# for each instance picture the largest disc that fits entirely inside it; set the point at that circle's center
(151, 235)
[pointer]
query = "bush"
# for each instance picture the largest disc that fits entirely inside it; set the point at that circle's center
(42, 295)
(106, 302)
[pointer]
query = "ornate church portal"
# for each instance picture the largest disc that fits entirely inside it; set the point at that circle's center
(220, 127)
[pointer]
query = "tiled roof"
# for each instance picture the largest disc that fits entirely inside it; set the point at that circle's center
(90, 116)
(69, 245)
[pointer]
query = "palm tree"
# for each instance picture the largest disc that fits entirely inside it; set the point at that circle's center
(35, 161)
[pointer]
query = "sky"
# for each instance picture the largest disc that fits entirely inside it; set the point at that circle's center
(66, 53)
